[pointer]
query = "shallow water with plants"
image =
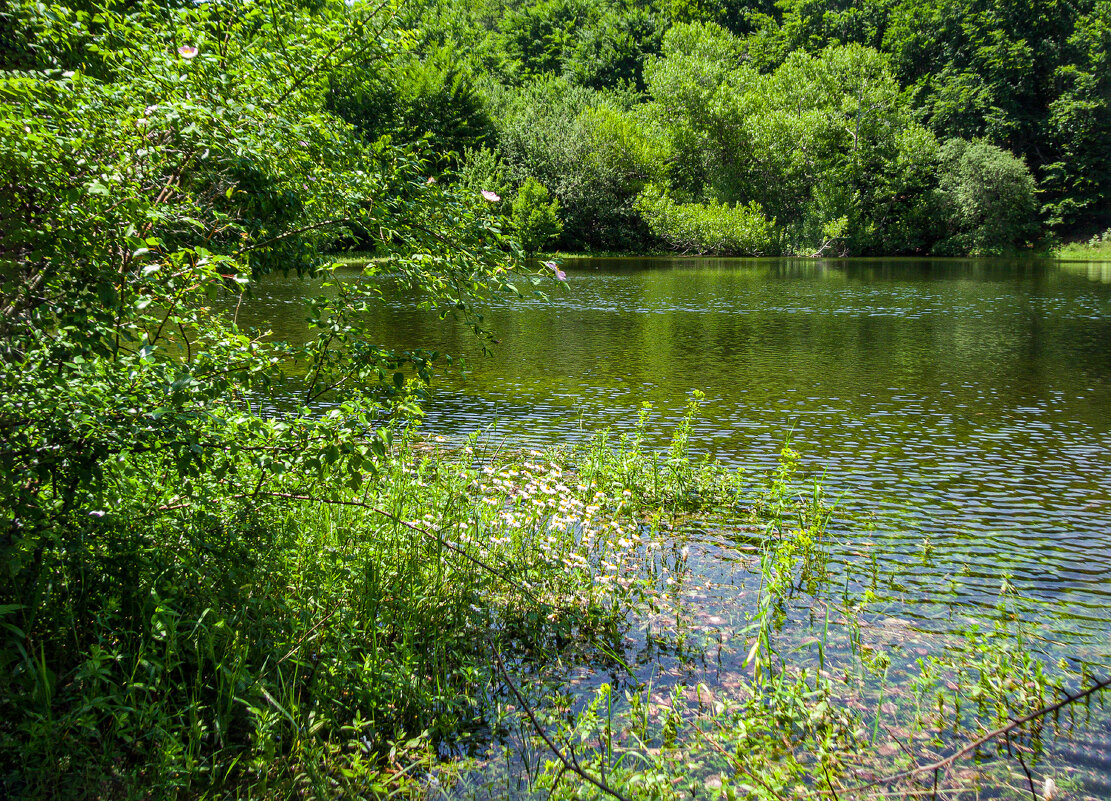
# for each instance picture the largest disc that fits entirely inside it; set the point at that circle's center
(691, 529)
(948, 421)
(961, 408)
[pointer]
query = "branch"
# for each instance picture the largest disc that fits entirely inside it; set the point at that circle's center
(948, 761)
(295, 232)
(378, 510)
(570, 762)
(296, 84)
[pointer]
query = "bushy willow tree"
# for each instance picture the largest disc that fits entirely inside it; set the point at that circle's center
(575, 142)
(825, 144)
(157, 160)
(987, 198)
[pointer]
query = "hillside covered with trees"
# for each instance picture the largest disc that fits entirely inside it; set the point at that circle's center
(795, 127)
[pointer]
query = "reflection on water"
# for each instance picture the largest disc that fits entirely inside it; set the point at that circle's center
(962, 407)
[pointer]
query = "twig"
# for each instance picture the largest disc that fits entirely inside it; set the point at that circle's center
(570, 761)
(555, 784)
(420, 529)
(829, 781)
(948, 761)
(305, 636)
(1026, 770)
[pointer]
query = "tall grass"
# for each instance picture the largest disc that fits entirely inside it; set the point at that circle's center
(285, 645)
(1098, 248)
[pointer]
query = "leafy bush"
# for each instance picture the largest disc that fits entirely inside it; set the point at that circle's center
(549, 130)
(712, 227)
(160, 162)
(826, 144)
(988, 196)
(535, 217)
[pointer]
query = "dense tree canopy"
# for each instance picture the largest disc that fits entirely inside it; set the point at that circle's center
(739, 103)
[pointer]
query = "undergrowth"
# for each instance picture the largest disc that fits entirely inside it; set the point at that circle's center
(290, 645)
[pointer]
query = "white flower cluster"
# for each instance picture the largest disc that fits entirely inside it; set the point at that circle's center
(532, 505)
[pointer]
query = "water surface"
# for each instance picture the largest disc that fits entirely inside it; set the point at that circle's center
(962, 408)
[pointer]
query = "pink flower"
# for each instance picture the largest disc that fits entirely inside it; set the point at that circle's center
(551, 265)
(492, 197)
(431, 180)
(185, 51)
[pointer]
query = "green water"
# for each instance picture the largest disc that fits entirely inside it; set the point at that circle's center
(963, 403)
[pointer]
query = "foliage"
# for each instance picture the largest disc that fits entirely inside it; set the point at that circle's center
(156, 164)
(718, 228)
(481, 170)
(284, 644)
(611, 53)
(1014, 73)
(412, 97)
(1030, 78)
(1097, 248)
(592, 43)
(695, 87)
(826, 144)
(570, 140)
(988, 197)
(535, 217)
(228, 568)
(1080, 124)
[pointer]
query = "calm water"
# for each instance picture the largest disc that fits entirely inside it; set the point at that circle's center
(963, 403)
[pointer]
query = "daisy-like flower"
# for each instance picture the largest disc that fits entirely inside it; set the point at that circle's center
(185, 51)
(491, 196)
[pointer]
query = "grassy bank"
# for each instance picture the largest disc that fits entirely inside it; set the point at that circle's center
(341, 644)
(1098, 248)
(285, 643)
(279, 646)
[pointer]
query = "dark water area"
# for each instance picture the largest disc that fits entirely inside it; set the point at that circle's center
(961, 409)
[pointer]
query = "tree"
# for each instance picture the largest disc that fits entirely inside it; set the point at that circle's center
(1079, 181)
(577, 143)
(988, 196)
(535, 217)
(409, 97)
(161, 161)
(827, 144)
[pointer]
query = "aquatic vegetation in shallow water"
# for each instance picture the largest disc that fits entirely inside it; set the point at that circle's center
(821, 709)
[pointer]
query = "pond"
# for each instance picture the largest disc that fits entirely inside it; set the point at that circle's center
(961, 409)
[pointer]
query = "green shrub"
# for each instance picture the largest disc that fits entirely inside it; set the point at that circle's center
(987, 195)
(535, 217)
(571, 140)
(711, 227)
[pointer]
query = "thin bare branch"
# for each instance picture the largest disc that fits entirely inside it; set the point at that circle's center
(570, 761)
(948, 762)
